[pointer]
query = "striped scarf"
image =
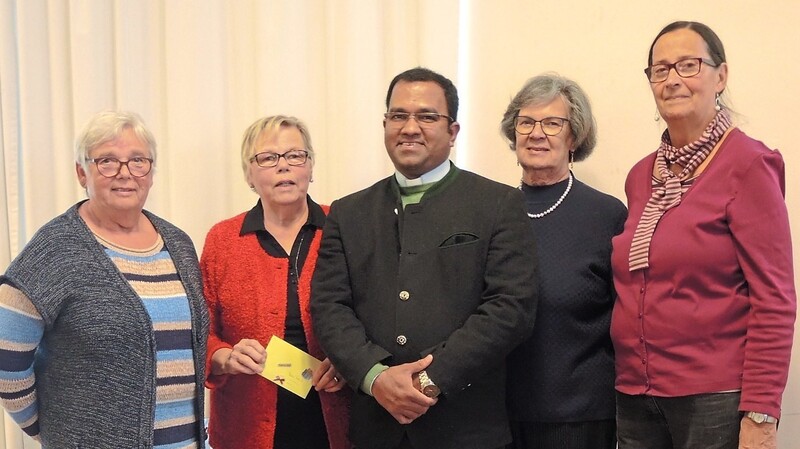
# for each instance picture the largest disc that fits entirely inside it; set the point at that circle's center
(667, 192)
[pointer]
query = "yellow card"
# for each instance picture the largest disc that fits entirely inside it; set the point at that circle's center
(289, 367)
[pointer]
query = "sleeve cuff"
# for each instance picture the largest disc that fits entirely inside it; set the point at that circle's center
(372, 374)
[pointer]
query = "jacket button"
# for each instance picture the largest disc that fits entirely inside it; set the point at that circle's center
(404, 295)
(401, 340)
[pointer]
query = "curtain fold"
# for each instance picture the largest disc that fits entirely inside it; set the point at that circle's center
(10, 435)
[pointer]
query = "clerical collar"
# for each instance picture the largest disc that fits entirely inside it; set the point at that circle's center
(432, 176)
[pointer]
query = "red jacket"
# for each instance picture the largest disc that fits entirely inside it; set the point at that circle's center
(246, 293)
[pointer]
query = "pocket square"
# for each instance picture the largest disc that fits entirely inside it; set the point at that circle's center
(458, 239)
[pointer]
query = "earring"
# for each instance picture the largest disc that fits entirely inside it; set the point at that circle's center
(571, 160)
(657, 117)
(310, 179)
(252, 188)
(718, 105)
(517, 162)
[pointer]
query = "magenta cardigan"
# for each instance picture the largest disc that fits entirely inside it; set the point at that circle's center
(245, 289)
(715, 310)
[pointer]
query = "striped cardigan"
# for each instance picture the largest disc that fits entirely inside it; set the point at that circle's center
(96, 364)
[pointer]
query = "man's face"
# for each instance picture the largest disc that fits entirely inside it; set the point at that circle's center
(414, 147)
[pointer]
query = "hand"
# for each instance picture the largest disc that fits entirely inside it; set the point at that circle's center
(757, 436)
(326, 378)
(247, 357)
(394, 390)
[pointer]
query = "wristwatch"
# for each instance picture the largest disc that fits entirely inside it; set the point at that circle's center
(426, 385)
(761, 417)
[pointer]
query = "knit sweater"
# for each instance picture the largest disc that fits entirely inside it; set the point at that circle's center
(246, 293)
(153, 277)
(565, 371)
(96, 365)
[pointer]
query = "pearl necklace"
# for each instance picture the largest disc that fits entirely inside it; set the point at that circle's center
(558, 203)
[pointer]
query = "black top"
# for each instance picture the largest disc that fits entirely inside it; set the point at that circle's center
(299, 423)
(565, 371)
(254, 222)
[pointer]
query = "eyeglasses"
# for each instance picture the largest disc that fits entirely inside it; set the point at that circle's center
(292, 157)
(685, 68)
(423, 118)
(550, 125)
(110, 167)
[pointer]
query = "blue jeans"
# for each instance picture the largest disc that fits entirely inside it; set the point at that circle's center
(703, 421)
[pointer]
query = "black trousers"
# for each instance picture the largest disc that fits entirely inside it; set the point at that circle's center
(567, 435)
(406, 444)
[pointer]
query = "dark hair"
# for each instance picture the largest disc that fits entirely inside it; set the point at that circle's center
(714, 45)
(422, 74)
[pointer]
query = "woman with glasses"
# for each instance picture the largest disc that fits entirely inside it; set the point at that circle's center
(561, 380)
(102, 320)
(703, 324)
(257, 269)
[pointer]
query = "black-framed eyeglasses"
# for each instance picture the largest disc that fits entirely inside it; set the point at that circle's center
(685, 68)
(268, 159)
(110, 167)
(423, 118)
(551, 126)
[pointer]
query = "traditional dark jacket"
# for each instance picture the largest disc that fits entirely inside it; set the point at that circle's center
(451, 276)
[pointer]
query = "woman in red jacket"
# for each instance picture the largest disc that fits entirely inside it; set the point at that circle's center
(257, 269)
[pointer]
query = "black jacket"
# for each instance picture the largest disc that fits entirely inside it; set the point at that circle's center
(464, 261)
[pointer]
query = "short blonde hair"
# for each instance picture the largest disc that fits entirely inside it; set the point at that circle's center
(107, 126)
(270, 125)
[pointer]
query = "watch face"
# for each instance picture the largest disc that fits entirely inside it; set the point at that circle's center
(431, 391)
(760, 418)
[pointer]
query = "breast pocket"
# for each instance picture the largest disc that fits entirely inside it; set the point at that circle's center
(460, 262)
(461, 238)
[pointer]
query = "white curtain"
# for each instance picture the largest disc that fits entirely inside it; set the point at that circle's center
(200, 71)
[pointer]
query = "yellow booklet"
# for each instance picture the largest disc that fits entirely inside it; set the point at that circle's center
(289, 367)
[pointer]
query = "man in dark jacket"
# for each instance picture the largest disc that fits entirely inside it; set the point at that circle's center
(425, 282)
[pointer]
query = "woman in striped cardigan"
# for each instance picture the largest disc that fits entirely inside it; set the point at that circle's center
(102, 319)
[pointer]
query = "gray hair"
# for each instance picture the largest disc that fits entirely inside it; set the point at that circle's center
(544, 89)
(107, 126)
(271, 124)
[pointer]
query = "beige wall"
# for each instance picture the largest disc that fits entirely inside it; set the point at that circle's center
(603, 46)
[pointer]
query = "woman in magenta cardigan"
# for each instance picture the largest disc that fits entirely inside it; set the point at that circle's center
(703, 325)
(257, 269)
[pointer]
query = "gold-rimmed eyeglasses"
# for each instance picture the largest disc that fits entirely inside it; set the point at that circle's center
(551, 126)
(398, 118)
